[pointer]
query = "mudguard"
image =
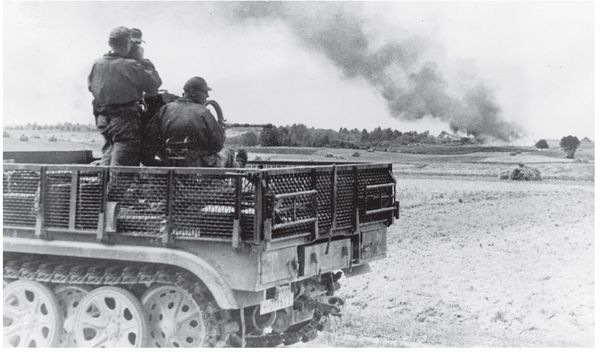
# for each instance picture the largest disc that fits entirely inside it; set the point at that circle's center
(225, 297)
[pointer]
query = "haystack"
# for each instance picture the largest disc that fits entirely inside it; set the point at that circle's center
(521, 173)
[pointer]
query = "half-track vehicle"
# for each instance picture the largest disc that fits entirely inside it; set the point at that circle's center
(182, 257)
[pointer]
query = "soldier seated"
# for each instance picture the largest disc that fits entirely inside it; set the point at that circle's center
(185, 133)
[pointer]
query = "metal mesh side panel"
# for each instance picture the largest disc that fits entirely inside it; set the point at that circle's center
(89, 198)
(247, 209)
(324, 201)
(345, 198)
(297, 182)
(57, 200)
(375, 198)
(203, 205)
(142, 201)
(20, 189)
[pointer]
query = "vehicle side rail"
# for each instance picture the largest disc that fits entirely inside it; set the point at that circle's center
(164, 205)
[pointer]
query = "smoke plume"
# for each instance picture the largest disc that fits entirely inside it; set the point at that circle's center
(412, 88)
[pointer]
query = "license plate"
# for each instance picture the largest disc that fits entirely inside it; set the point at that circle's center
(283, 298)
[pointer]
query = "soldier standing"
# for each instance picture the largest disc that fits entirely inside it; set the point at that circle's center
(118, 83)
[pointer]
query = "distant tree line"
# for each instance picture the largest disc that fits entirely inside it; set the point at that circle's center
(568, 144)
(542, 144)
(65, 126)
(298, 135)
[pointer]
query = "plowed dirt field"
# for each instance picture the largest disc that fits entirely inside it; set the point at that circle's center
(477, 262)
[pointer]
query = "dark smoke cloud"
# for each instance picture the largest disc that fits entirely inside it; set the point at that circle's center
(411, 88)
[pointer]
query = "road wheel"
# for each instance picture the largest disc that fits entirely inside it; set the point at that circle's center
(110, 317)
(31, 315)
(176, 319)
(69, 297)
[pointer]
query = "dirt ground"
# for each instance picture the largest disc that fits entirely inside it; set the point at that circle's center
(477, 262)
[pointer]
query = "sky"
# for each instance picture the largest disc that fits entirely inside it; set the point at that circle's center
(515, 71)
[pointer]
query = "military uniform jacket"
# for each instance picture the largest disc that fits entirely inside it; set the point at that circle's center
(117, 80)
(183, 119)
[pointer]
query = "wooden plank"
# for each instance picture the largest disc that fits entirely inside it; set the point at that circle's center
(315, 204)
(235, 238)
(224, 172)
(355, 207)
(383, 185)
(70, 232)
(101, 233)
(294, 223)
(73, 199)
(258, 208)
(381, 210)
(290, 238)
(295, 194)
(295, 170)
(334, 187)
(32, 167)
(88, 168)
(39, 221)
(167, 238)
(268, 230)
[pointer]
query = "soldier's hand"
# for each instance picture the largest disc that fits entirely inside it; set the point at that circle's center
(137, 52)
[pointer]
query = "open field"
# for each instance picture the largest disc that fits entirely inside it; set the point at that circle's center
(551, 163)
(478, 263)
(473, 260)
(40, 140)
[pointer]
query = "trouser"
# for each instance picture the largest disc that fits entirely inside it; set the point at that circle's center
(120, 153)
(120, 127)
